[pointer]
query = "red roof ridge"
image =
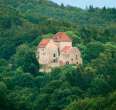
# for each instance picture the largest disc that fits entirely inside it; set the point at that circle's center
(44, 42)
(66, 49)
(61, 36)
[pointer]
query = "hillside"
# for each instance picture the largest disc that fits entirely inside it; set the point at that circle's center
(28, 19)
(23, 23)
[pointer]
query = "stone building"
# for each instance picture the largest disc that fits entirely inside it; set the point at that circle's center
(57, 51)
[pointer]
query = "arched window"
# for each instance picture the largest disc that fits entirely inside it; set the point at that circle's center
(67, 62)
(54, 55)
(55, 60)
(71, 59)
(76, 57)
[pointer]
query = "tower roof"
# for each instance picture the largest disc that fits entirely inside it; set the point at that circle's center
(61, 36)
(44, 43)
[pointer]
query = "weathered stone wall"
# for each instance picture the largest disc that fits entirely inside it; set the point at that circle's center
(51, 55)
(74, 57)
(48, 54)
(61, 45)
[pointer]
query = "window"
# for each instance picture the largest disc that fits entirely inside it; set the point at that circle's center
(54, 60)
(67, 62)
(72, 59)
(54, 55)
(76, 56)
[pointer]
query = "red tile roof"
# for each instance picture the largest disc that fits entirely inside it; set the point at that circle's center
(43, 43)
(66, 49)
(61, 36)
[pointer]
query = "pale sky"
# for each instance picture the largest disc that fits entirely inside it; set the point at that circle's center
(84, 3)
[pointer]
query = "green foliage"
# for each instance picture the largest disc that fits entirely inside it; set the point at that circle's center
(99, 86)
(25, 58)
(3, 93)
(97, 103)
(21, 99)
(94, 49)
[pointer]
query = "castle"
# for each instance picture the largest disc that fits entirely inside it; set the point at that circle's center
(57, 51)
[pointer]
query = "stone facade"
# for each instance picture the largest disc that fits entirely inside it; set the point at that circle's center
(57, 51)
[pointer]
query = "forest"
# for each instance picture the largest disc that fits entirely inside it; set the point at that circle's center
(91, 86)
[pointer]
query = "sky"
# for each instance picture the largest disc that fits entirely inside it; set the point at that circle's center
(85, 3)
